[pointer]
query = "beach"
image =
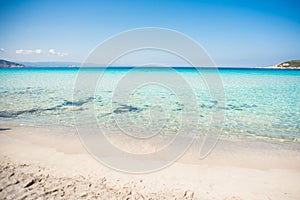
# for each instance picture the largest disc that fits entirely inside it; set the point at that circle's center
(150, 100)
(50, 162)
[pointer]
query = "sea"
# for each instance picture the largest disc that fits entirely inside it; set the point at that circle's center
(246, 103)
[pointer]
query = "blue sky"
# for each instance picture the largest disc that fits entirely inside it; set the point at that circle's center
(234, 33)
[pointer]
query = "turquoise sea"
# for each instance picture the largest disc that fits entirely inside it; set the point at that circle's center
(259, 103)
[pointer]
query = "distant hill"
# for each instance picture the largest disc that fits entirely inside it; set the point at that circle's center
(8, 64)
(292, 64)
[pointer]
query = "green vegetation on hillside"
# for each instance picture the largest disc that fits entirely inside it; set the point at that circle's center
(8, 64)
(290, 64)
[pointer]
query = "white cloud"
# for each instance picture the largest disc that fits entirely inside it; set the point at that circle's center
(62, 54)
(53, 52)
(2, 50)
(24, 51)
(28, 51)
(39, 51)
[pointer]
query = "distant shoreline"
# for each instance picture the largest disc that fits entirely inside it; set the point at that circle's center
(293, 65)
(178, 68)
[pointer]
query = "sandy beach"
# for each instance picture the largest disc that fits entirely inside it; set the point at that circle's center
(149, 100)
(49, 163)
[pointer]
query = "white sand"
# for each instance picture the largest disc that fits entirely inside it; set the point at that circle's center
(41, 162)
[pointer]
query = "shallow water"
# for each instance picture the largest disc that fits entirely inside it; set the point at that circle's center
(258, 103)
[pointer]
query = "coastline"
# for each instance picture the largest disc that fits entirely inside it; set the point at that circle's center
(274, 67)
(49, 162)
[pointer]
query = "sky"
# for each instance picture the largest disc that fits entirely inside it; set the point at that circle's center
(233, 33)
